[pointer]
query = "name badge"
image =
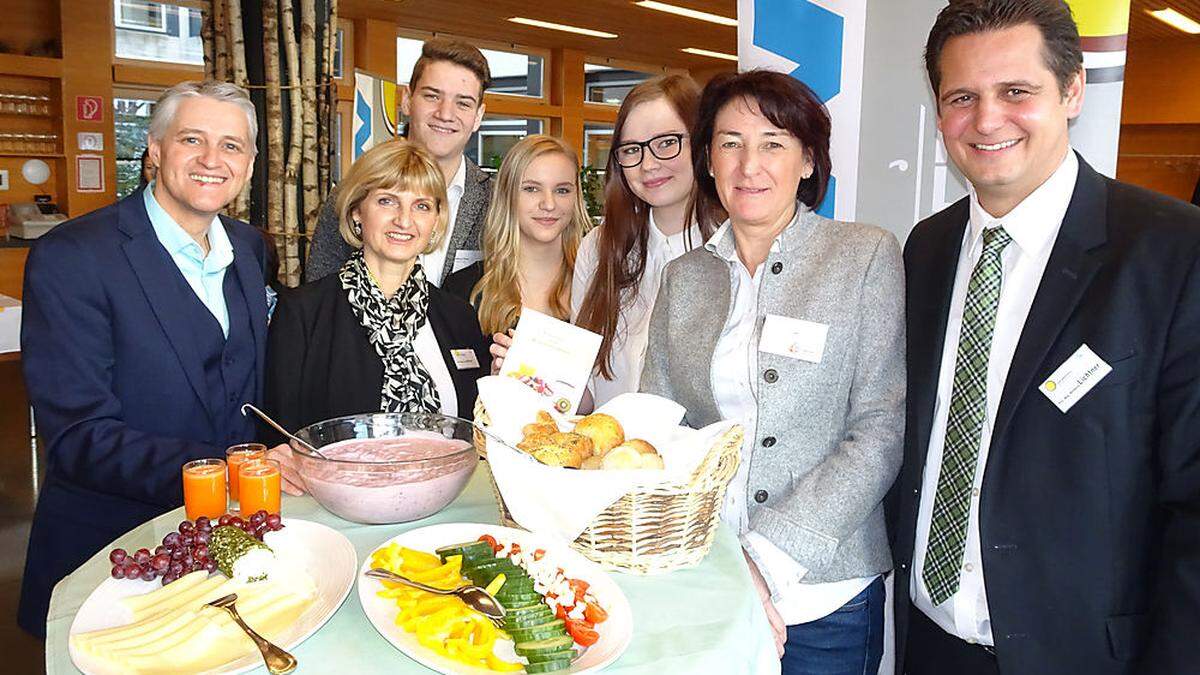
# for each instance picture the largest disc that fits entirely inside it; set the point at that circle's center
(464, 359)
(793, 338)
(464, 259)
(1075, 378)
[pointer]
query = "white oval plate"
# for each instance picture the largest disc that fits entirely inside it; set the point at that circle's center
(324, 553)
(615, 632)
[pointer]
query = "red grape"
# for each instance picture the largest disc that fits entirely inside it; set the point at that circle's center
(117, 556)
(176, 568)
(257, 518)
(133, 572)
(211, 565)
(186, 527)
(200, 551)
(274, 520)
(225, 519)
(237, 522)
(141, 556)
(148, 574)
(171, 540)
(203, 536)
(187, 540)
(202, 521)
(177, 553)
(159, 550)
(118, 572)
(160, 562)
(168, 578)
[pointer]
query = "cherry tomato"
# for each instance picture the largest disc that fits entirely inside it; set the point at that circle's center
(516, 548)
(491, 541)
(539, 554)
(582, 633)
(579, 586)
(594, 613)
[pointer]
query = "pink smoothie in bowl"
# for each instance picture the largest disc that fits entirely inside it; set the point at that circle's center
(389, 478)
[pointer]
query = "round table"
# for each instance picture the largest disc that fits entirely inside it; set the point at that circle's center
(701, 620)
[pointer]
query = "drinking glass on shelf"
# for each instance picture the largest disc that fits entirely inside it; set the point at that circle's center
(259, 486)
(8, 104)
(235, 456)
(204, 488)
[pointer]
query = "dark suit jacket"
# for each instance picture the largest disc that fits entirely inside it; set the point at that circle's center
(321, 364)
(461, 283)
(328, 250)
(116, 382)
(1089, 519)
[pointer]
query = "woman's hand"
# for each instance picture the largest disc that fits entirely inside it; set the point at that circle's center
(499, 349)
(778, 627)
(293, 484)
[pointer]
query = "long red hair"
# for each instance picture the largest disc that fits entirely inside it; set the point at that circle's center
(625, 233)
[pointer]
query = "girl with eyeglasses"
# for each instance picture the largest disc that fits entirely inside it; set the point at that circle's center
(530, 237)
(648, 222)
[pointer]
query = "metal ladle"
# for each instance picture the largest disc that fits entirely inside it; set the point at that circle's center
(275, 425)
(475, 597)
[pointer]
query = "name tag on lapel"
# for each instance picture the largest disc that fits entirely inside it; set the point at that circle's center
(464, 359)
(464, 259)
(1075, 378)
(793, 338)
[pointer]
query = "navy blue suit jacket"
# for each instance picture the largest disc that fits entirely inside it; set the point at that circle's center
(1089, 519)
(115, 378)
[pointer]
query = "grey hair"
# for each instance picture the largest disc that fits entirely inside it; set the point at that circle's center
(168, 103)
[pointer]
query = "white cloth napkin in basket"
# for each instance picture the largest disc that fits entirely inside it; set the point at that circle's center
(563, 502)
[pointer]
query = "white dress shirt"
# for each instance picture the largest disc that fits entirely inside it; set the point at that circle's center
(429, 353)
(435, 261)
(735, 388)
(1033, 226)
(633, 321)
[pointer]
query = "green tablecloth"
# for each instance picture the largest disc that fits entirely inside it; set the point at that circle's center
(702, 620)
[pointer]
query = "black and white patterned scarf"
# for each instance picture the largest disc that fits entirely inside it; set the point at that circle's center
(392, 326)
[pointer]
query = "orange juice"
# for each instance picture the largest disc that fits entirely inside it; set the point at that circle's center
(204, 488)
(234, 456)
(259, 487)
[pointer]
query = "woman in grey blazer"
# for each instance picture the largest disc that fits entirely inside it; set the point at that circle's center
(802, 339)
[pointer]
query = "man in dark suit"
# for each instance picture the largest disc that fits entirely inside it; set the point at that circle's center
(144, 331)
(444, 106)
(1047, 516)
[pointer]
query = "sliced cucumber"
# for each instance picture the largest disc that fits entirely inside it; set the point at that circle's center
(473, 550)
(541, 632)
(527, 620)
(547, 666)
(568, 654)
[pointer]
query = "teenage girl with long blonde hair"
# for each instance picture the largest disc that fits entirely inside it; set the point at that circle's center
(530, 237)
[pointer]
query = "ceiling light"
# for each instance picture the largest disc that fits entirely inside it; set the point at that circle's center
(708, 52)
(1176, 20)
(563, 27)
(688, 12)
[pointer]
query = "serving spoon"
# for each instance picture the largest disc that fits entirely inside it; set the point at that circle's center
(278, 661)
(275, 425)
(475, 597)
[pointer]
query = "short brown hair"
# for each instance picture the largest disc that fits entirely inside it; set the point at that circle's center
(457, 52)
(398, 164)
(785, 102)
(1060, 36)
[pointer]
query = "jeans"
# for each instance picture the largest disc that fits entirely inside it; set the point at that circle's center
(847, 642)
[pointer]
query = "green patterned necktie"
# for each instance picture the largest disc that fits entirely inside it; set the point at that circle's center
(968, 410)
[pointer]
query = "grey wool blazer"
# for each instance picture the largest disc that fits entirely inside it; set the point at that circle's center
(328, 250)
(828, 443)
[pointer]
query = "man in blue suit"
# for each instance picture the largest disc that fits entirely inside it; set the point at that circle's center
(143, 332)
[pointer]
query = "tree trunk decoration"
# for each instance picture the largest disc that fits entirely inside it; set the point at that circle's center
(288, 232)
(311, 199)
(237, 48)
(206, 41)
(274, 115)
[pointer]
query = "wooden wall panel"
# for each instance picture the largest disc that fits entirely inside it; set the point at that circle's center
(28, 24)
(12, 271)
(87, 41)
(1161, 157)
(1162, 82)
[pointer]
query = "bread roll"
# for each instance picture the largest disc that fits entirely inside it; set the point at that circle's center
(622, 457)
(604, 431)
(580, 445)
(641, 446)
(593, 462)
(552, 454)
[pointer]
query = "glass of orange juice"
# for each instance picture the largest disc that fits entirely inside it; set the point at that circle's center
(235, 455)
(204, 488)
(259, 486)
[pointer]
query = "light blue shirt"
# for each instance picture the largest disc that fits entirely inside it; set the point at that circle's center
(205, 274)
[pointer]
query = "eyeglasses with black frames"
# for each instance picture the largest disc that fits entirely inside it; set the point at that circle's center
(666, 146)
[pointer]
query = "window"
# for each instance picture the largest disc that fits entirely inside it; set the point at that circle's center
(154, 31)
(140, 15)
(604, 84)
(496, 136)
(131, 121)
(597, 141)
(513, 73)
(339, 38)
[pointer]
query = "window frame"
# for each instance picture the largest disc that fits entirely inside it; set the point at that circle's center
(118, 22)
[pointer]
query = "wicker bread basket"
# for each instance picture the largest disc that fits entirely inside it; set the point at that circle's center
(657, 528)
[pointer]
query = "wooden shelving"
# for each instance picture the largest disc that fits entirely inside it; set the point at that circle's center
(30, 66)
